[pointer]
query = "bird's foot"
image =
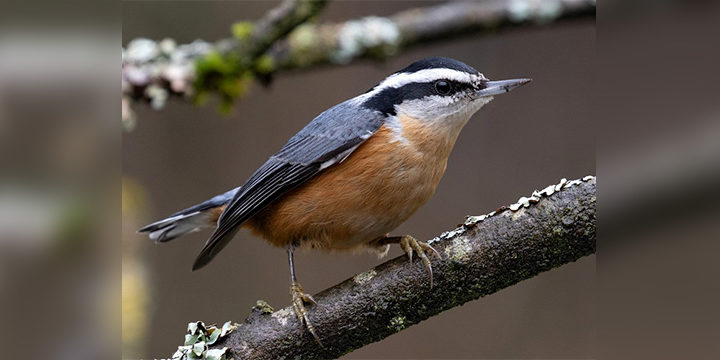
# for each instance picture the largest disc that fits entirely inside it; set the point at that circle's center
(410, 244)
(299, 299)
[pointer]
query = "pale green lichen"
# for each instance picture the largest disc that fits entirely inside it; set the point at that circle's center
(536, 10)
(263, 307)
(448, 235)
(518, 214)
(157, 95)
(167, 46)
(398, 323)
(364, 277)
(141, 50)
(282, 316)
(548, 11)
(471, 220)
(474, 220)
(198, 339)
(303, 37)
(460, 249)
(304, 44)
(372, 32)
(265, 64)
(241, 30)
(227, 75)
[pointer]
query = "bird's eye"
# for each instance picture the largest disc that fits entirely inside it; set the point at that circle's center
(443, 87)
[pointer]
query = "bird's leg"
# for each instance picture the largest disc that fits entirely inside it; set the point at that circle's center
(299, 298)
(410, 244)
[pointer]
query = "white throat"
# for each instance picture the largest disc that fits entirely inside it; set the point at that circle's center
(435, 113)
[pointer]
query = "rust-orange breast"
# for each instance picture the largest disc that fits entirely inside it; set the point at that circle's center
(350, 204)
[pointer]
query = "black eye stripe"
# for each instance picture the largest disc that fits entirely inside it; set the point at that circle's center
(385, 100)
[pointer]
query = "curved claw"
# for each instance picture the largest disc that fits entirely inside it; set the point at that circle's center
(299, 298)
(309, 298)
(410, 244)
(407, 248)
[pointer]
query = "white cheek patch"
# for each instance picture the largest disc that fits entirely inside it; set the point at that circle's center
(441, 110)
(429, 107)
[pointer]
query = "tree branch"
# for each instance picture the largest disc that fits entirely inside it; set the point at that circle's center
(487, 253)
(379, 38)
(279, 22)
(153, 70)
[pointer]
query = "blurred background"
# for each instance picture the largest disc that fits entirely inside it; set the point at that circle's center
(520, 142)
(644, 89)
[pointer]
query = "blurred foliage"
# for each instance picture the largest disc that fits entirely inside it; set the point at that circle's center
(134, 197)
(76, 224)
(135, 302)
(136, 286)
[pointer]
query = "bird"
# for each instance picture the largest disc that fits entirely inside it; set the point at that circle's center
(352, 175)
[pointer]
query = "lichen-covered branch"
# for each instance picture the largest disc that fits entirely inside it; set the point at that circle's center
(381, 37)
(152, 71)
(487, 253)
(284, 40)
(276, 24)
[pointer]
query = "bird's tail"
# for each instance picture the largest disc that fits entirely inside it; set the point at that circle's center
(192, 219)
(178, 225)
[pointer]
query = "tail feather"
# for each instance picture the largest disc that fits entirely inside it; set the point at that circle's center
(178, 225)
(192, 219)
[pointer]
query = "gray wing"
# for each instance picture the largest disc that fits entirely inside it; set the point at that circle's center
(325, 141)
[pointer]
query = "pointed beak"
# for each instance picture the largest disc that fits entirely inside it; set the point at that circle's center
(501, 86)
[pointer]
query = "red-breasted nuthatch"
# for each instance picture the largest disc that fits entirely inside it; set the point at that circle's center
(353, 174)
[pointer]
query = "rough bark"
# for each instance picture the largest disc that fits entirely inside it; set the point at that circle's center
(553, 227)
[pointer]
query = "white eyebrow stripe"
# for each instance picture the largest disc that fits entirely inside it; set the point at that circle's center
(427, 75)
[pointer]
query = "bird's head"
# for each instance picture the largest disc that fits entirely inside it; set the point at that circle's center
(436, 90)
